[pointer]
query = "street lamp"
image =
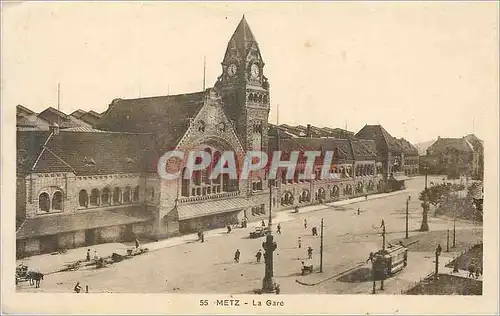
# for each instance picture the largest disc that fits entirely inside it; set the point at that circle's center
(269, 246)
(407, 201)
(425, 170)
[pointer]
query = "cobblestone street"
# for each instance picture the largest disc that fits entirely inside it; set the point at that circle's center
(194, 267)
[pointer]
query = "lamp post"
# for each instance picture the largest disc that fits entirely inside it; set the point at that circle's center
(447, 240)
(407, 201)
(321, 249)
(269, 246)
(383, 258)
(454, 230)
(437, 253)
(425, 169)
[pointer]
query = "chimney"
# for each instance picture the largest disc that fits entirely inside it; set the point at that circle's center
(54, 128)
(439, 137)
(308, 131)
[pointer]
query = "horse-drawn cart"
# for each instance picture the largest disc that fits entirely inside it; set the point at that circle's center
(21, 273)
(307, 268)
(73, 266)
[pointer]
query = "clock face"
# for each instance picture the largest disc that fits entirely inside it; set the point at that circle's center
(231, 70)
(255, 71)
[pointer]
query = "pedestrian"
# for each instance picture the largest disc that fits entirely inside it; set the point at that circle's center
(305, 223)
(366, 197)
(86, 288)
(279, 228)
(202, 236)
(472, 270)
(237, 255)
(228, 229)
(258, 256)
(277, 289)
(95, 255)
(88, 254)
(136, 243)
(370, 258)
(309, 252)
(314, 231)
(300, 242)
(359, 212)
(77, 287)
(263, 223)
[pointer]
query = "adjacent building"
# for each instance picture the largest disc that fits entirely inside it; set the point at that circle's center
(398, 157)
(457, 156)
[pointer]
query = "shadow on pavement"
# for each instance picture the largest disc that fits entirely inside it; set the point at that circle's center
(359, 275)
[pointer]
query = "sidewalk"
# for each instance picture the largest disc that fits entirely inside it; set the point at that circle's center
(48, 263)
(324, 206)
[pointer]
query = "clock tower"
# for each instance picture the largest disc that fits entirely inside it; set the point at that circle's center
(245, 89)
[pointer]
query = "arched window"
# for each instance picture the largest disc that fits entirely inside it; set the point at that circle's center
(126, 195)
(117, 192)
(257, 184)
(185, 183)
(208, 170)
(44, 202)
(321, 194)
(83, 198)
(94, 197)
(359, 187)
(57, 200)
(105, 196)
(135, 197)
(335, 191)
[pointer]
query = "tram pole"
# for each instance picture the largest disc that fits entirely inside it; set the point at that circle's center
(454, 231)
(383, 252)
(447, 240)
(321, 249)
(383, 234)
(373, 277)
(407, 200)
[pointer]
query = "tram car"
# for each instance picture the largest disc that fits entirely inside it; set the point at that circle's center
(390, 261)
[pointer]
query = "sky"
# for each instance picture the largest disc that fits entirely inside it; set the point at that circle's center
(421, 70)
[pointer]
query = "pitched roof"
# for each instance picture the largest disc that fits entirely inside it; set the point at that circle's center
(78, 113)
(86, 153)
(348, 149)
(29, 146)
(242, 39)
(476, 142)
(167, 116)
(315, 144)
(407, 147)
(52, 116)
(316, 132)
(443, 145)
(382, 138)
(23, 109)
(361, 150)
(91, 117)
